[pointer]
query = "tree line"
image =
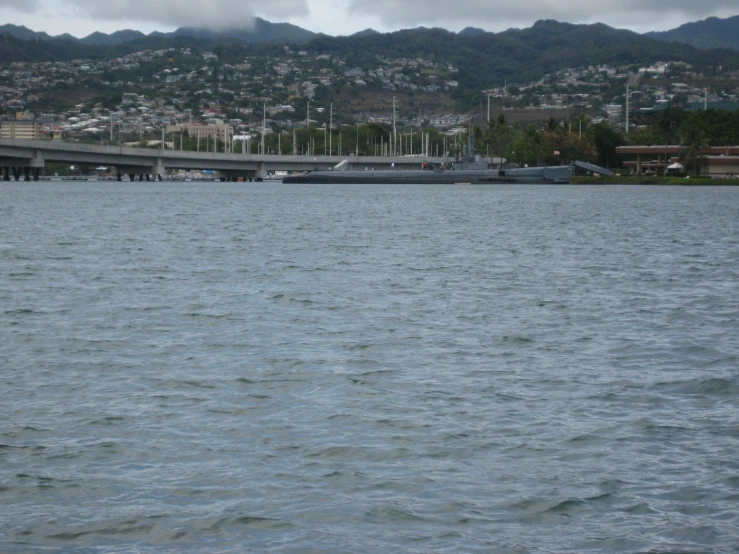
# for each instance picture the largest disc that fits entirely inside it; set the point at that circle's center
(551, 142)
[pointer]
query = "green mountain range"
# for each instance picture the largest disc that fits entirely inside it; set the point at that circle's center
(260, 31)
(525, 55)
(709, 33)
(483, 59)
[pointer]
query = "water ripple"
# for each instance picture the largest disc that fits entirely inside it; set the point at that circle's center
(189, 367)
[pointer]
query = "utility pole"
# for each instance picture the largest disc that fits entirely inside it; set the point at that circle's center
(627, 108)
(331, 128)
(395, 132)
(488, 107)
(264, 125)
(307, 125)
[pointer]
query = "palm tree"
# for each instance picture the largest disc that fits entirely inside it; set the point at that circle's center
(694, 142)
(668, 125)
(499, 132)
(478, 137)
(581, 123)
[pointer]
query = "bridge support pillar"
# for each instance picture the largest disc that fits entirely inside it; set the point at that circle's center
(140, 172)
(6, 173)
(36, 172)
(260, 173)
(638, 164)
(26, 174)
(17, 173)
(158, 169)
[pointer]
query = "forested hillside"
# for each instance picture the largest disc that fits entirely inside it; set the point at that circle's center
(482, 59)
(709, 33)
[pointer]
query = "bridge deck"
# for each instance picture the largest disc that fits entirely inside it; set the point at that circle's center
(30, 153)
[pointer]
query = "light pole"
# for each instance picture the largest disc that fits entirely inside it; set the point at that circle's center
(264, 125)
(395, 133)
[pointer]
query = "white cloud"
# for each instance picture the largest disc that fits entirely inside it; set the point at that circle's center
(20, 5)
(214, 14)
(342, 17)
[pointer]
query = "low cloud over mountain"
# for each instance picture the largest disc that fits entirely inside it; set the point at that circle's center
(213, 14)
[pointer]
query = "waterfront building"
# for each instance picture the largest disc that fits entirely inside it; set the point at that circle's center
(716, 161)
(28, 130)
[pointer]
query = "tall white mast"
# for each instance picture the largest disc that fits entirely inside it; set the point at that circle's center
(264, 125)
(395, 133)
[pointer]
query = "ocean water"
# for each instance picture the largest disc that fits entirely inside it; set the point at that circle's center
(222, 367)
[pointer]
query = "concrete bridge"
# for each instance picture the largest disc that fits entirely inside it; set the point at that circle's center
(26, 158)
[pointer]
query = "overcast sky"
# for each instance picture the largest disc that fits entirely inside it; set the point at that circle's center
(343, 17)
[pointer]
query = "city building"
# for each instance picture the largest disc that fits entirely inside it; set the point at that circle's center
(220, 132)
(28, 130)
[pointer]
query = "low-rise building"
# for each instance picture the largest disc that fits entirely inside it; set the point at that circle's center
(715, 161)
(219, 132)
(28, 130)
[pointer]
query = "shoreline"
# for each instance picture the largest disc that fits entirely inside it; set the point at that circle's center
(655, 180)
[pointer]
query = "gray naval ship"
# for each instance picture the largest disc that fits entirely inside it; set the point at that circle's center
(471, 170)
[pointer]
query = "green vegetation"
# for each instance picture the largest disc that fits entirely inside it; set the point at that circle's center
(483, 60)
(709, 33)
(520, 56)
(678, 126)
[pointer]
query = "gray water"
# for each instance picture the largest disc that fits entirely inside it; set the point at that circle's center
(192, 367)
